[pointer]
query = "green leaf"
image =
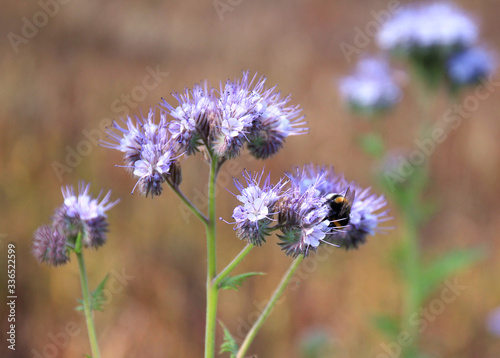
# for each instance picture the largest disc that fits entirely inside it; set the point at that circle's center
(97, 298)
(233, 283)
(386, 324)
(444, 266)
(87, 356)
(229, 344)
(372, 144)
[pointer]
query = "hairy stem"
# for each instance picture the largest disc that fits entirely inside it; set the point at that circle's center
(86, 299)
(269, 307)
(212, 289)
(223, 274)
(188, 203)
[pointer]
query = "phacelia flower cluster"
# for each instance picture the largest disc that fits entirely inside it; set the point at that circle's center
(469, 66)
(254, 216)
(80, 214)
(440, 40)
(148, 151)
(242, 111)
(421, 28)
(218, 123)
(371, 89)
(302, 211)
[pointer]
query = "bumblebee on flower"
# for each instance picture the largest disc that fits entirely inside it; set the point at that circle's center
(305, 214)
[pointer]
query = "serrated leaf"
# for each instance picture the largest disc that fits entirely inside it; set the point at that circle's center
(229, 344)
(444, 266)
(387, 325)
(97, 298)
(233, 283)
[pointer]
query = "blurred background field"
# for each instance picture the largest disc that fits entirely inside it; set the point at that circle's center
(70, 78)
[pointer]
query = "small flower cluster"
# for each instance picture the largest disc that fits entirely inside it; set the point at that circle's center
(218, 123)
(80, 214)
(149, 152)
(440, 40)
(301, 212)
(371, 89)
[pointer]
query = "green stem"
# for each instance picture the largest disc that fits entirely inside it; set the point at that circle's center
(86, 300)
(412, 299)
(223, 274)
(212, 289)
(270, 305)
(188, 203)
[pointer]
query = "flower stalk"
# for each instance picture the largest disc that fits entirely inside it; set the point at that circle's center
(269, 307)
(211, 286)
(86, 299)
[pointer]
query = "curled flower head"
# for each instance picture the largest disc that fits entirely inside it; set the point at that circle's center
(419, 28)
(470, 66)
(239, 105)
(303, 218)
(371, 88)
(190, 126)
(149, 152)
(49, 246)
(276, 122)
(80, 213)
(255, 213)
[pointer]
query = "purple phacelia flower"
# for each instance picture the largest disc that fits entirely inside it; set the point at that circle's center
(470, 66)
(192, 118)
(243, 111)
(150, 154)
(438, 26)
(364, 215)
(255, 213)
(371, 88)
(49, 246)
(275, 123)
(238, 106)
(303, 218)
(80, 213)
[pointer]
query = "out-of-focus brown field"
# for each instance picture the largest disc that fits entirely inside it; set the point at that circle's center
(71, 77)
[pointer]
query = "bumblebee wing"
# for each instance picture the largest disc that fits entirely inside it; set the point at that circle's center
(348, 201)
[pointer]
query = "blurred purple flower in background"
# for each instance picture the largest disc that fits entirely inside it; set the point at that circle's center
(371, 88)
(417, 27)
(470, 66)
(493, 322)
